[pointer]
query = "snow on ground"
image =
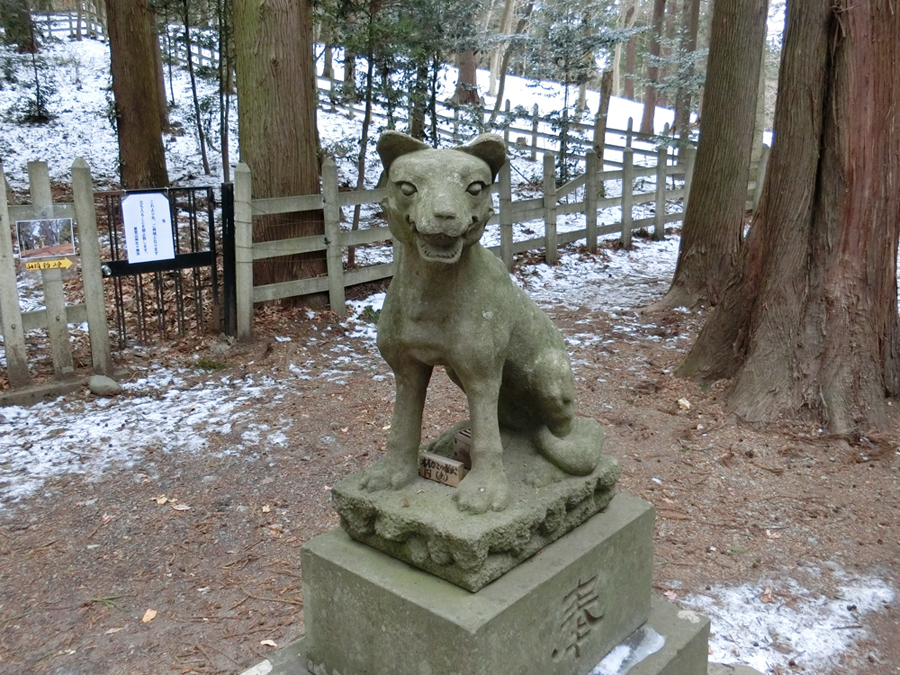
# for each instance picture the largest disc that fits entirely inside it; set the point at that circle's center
(752, 624)
(89, 436)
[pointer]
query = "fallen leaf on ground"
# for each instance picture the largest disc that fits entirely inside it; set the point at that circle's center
(767, 595)
(684, 404)
(671, 595)
(268, 643)
(114, 630)
(162, 499)
(773, 535)
(265, 508)
(181, 507)
(149, 615)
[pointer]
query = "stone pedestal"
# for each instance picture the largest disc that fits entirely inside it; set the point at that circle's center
(422, 525)
(558, 613)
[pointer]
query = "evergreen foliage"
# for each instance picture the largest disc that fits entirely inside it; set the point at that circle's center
(565, 42)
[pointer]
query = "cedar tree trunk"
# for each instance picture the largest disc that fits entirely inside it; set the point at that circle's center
(466, 86)
(691, 18)
(650, 93)
(808, 325)
(277, 119)
(714, 221)
(132, 34)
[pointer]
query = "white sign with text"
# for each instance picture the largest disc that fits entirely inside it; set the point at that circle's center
(148, 227)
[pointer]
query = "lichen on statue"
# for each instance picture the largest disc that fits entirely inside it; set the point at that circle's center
(452, 303)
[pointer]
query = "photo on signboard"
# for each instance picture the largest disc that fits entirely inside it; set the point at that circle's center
(45, 238)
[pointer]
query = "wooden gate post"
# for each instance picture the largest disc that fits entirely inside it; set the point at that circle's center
(10, 312)
(659, 222)
(591, 190)
(534, 132)
(243, 252)
(91, 274)
(54, 297)
(334, 258)
(551, 255)
(627, 194)
(506, 221)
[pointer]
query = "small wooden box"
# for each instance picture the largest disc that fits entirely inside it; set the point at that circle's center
(441, 469)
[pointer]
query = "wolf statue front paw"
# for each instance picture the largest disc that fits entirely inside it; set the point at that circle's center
(481, 491)
(388, 474)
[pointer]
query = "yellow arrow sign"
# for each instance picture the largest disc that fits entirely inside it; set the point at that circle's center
(54, 264)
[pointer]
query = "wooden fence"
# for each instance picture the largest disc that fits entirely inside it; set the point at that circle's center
(546, 207)
(57, 315)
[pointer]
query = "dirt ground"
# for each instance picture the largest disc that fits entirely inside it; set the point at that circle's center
(735, 503)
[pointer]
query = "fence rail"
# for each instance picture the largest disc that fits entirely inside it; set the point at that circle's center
(546, 207)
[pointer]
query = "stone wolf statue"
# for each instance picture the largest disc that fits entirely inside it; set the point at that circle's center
(452, 303)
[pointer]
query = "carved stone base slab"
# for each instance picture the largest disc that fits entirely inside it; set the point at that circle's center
(422, 525)
(558, 613)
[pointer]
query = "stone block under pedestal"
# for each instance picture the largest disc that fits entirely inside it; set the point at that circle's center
(684, 637)
(558, 613)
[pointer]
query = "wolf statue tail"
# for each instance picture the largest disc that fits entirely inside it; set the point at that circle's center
(578, 452)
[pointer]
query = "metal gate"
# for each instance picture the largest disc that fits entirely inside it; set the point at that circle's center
(191, 292)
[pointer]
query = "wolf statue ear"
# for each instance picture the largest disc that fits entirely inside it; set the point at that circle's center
(489, 148)
(393, 144)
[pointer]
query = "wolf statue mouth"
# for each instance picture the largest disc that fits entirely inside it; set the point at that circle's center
(447, 253)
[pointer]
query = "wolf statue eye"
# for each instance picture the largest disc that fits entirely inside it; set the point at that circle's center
(407, 188)
(476, 188)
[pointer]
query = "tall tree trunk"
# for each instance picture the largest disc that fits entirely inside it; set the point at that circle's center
(665, 50)
(15, 17)
(627, 17)
(189, 57)
(713, 224)
(650, 92)
(466, 85)
(808, 325)
(507, 21)
(630, 67)
(226, 85)
(160, 78)
(504, 65)
(691, 17)
(759, 121)
(277, 105)
(142, 160)
(419, 101)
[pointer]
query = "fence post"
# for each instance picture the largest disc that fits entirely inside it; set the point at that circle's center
(591, 161)
(333, 257)
(243, 251)
(690, 157)
(760, 175)
(10, 312)
(629, 132)
(456, 123)
(54, 296)
(534, 132)
(659, 223)
(506, 221)
(551, 254)
(627, 195)
(91, 274)
(506, 124)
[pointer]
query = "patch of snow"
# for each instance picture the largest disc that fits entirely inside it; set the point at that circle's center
(798, 626)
